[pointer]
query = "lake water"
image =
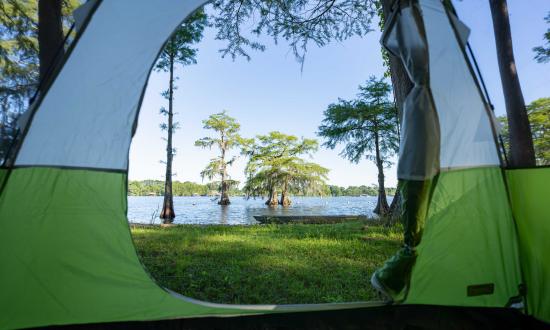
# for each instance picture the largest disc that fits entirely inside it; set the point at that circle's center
(205, 210)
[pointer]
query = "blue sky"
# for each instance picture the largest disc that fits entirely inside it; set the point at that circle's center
(270, 92)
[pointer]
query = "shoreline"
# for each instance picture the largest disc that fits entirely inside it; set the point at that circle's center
(273, 220)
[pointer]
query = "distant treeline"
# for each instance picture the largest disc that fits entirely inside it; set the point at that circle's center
(187, 188)
(371, 190)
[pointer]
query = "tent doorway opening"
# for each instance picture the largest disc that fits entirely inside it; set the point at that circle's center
(67, 263)
(222, 253)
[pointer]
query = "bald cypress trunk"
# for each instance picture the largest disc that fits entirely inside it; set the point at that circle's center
(382, 207)
(285, 199)
(167, 214)
(224, 196)
(272, 198)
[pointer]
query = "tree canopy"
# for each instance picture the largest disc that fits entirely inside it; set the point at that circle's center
(367, 127)
(542, 53)
(19, 48)
(275, 163)
(18, 52)
(19, 63)
(539, 118)
(187, 188)
(179, 46)
(178, 50)
(227, 128)
(358, 123)
(299, 22)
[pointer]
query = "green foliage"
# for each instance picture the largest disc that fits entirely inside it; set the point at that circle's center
(213, 169)
(187, 188)
(145, 188)
(275, 163)
(19, 64)
(179, 50)
(18, 51)
(371, 190)
(542, 53)
(363, 125)
(156, 188)
(19, 48)
(296, 21)
(368, 126)
(383, 51)
(227, 128)
(539, 118)
(179, 47)
(176, 51)
(277, 264)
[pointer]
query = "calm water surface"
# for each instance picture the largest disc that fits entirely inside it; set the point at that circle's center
(205, 210)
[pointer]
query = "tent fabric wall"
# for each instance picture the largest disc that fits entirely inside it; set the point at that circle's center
(420, 136)
(464, 119)
(87, 117)
(469, 239)
(446, 123)
(529, 194)
(65, 247)
(67, 256)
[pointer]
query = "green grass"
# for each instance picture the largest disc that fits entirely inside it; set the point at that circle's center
(262, 264)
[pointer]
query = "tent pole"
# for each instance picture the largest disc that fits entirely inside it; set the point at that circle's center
(484, 87)
(486, 92)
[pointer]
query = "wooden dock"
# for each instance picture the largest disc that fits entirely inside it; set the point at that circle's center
(308, 219)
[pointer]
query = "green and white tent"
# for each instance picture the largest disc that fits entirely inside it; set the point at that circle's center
(66, 253)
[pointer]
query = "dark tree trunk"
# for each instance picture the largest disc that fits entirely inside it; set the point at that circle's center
(382, 207)
(285, 199)
(50, 35)
(394, 213)
(224, 197)
(272, 199)
(4, 138)
(4, 123)
(167, 214)
(522, 153)
(402, 85)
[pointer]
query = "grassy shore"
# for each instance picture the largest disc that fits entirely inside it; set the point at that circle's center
(277, 264)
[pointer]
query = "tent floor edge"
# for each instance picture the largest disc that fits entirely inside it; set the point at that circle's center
(382, 317)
